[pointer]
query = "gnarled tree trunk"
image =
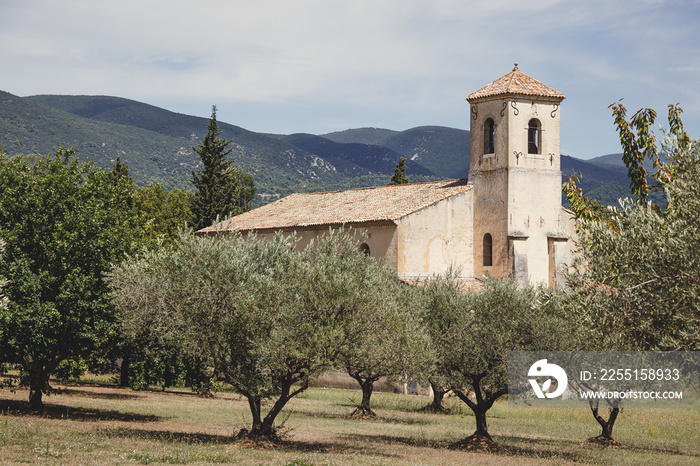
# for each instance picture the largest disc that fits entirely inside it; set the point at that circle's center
(481, 427)
(264, 428)
(367, 384)
(436, 406)
(605, 436)
(481, 439)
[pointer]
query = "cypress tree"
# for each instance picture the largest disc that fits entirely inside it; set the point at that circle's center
(220, 189)
(400, 173)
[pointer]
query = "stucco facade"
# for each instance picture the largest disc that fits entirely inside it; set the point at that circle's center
(380, 238)
(516, 174)
(506, 220)
(419, 229)
(436, 237)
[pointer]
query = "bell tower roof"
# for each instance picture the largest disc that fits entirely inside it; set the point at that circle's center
(515, 83)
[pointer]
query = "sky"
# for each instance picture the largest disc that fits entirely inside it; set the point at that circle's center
(317, 66)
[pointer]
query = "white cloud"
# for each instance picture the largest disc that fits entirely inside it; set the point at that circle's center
(307, 64)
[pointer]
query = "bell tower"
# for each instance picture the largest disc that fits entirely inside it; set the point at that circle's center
(515, 170)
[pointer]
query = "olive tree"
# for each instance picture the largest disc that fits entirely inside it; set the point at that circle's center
(263, 317)
(473, 331)
(385, 339)
(654, 306)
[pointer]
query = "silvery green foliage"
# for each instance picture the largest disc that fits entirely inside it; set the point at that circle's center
(473, 330)
(263, 316)
(387, 338)
(637, 281)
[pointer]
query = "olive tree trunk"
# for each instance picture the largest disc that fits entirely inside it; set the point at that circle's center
(367, 385)
(436, 406)
(606, 425)
(264, 427)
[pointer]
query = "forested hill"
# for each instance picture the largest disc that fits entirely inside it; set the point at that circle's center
(355, 157)
(157, 145)
(442, 150)
(275, 164)
(27, 126)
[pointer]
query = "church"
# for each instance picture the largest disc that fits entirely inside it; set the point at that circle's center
(505, 220)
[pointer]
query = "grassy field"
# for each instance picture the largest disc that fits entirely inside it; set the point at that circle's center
(91, 424)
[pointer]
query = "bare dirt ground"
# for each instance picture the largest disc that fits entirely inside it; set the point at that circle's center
(88, 424)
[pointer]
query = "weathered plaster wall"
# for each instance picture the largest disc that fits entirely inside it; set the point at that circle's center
(520, 111)
(534, 186)
(436, 237)
(488, 173)
(517, 195)
(534, 211)
(381, 239)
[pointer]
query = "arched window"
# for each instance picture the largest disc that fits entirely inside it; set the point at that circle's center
(534, 137)
(488, 250)
(365, 249)
(489, 136)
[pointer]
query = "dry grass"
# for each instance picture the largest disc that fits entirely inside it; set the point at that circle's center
(101, 425)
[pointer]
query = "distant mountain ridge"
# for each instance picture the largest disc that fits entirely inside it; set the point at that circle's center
(268, 159)
(157, 145)
(441, 150)
(355, 157)
(28, 126)
(361, 135)
(609, 159)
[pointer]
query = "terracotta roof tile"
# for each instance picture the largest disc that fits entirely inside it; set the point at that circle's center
(385, 203)
(515, 83)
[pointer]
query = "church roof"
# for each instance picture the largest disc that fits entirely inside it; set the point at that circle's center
(515, 83)
(380, 204)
